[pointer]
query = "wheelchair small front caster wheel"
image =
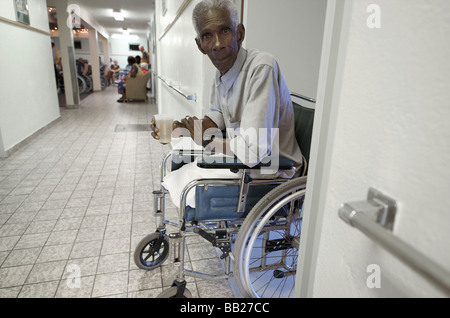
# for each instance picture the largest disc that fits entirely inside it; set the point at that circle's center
(152, 251)
(172, 293)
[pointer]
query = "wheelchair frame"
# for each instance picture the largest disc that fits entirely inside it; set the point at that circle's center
(219, 232)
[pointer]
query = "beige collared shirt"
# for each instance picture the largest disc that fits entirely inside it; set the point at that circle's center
(252, 101)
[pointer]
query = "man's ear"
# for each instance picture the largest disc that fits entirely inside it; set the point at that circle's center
(199, 45)
(240, 34)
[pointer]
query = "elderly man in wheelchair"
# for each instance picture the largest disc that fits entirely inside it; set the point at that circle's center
(242, 185)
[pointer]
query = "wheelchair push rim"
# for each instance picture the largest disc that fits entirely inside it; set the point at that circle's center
(268, 247)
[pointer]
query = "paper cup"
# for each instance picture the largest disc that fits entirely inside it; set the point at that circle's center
(164, 123)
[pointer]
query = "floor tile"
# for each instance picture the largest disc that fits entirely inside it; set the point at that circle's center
(22, 257)
(86, 249)
(110, 284)
(81, 267)
(140, 280)
(40, 290)
(79, 287)
(45, 272)
(33, 240)
(11, 292)
(68, 224)
(113, 263)
(21, 217)
(148, 293)
(41, 227)
(94, 221)
(14, 276)
(214, 289)
(7, 243)
(55, 253)
(61, 237)
(13, 229)
(117, 245)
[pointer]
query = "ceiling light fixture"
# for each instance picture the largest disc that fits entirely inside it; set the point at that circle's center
(125, 31)
(124, 37)
(117, 14)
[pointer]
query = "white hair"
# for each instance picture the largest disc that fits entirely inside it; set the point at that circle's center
(206, 5)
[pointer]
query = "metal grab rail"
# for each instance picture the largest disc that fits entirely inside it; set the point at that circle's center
(309, 99)
(374, 218)
(177, 89)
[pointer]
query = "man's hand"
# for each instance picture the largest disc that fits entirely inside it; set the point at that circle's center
(188, 122)
(155, 130)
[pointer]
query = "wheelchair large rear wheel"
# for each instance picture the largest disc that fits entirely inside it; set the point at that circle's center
(267, 245)
(152, 251)
(82, 86)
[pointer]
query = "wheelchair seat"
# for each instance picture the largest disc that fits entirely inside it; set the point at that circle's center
(220, 202)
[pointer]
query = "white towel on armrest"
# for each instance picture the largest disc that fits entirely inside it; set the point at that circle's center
(177, 180)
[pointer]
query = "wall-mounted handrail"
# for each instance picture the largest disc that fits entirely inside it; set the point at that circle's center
(309, 99)
(179, 12)
(177, 89)
(25, 26)
(361, 216)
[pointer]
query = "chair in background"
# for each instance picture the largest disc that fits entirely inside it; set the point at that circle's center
(136, 88)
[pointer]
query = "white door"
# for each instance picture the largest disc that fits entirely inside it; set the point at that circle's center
(383, 121)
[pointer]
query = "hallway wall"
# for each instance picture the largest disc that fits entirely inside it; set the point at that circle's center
(28, 86)
(292, 32)
(390, 131)
(180, 62)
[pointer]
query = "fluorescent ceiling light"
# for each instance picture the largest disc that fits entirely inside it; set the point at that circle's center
(124, 36)
(118, 15)
(125, 31)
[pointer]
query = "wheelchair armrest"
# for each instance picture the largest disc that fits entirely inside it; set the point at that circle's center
(236, 164)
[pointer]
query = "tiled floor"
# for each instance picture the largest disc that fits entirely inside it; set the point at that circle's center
(76, 200)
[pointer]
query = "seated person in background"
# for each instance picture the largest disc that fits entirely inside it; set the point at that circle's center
(114, 69)
(82, 66)
(123, 73)
(138, 59)
(248, 94)
(144, 68)
(135, 71)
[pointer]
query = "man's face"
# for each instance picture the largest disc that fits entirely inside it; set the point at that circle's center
(218, 40)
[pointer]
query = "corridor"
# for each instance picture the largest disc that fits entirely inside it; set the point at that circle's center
(77, 199)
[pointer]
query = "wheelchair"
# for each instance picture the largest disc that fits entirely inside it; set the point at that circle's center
(84, 76)
(254, 224)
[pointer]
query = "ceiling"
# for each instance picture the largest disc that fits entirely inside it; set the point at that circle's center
(137, 14)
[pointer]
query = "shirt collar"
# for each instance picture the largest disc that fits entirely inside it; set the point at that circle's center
(230, 76)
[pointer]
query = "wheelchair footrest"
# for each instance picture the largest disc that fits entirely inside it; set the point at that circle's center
(181, 287)
(219, 240)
